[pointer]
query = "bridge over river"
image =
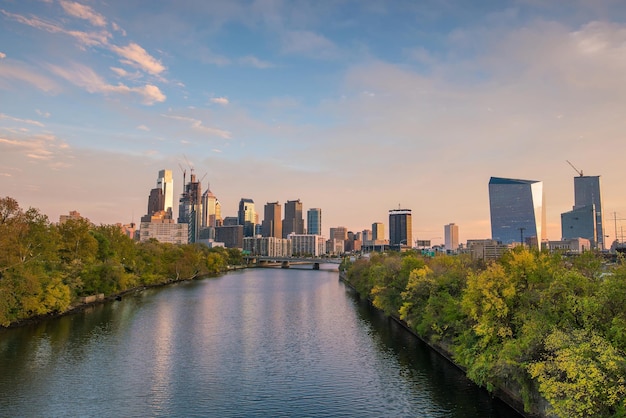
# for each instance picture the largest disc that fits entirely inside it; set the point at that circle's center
(287, 262)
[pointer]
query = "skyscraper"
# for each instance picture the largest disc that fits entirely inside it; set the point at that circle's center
(378, 231)
(190, 208)
(211, 216)
(165, 182)
(585, 220)
(293, 222)
(247, 216)
(517, 210)
(272, 225)
(451, 233)
(400, 227)
(314, 221)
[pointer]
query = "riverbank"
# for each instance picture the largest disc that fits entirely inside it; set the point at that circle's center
(81, 306)
(514, 400)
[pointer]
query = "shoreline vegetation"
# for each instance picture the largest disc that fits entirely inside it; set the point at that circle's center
(47, 268)
(544, 332)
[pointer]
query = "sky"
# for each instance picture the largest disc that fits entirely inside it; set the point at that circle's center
(353, 106)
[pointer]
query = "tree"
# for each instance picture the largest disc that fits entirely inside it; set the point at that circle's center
(581, 375)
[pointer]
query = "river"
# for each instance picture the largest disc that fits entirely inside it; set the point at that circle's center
(259, 342)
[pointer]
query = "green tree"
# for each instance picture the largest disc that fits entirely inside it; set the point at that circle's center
(581, 375)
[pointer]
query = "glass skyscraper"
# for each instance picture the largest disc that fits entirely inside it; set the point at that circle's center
(246, 216)
(517, 210)
(587, 193)
(314, 221)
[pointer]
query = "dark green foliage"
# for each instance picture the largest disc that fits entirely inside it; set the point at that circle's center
(531, 321)
(44, 267)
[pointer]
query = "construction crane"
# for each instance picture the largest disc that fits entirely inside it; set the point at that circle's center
(580, 172)
(184, 174)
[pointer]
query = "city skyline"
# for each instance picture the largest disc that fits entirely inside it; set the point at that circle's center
(340, 104)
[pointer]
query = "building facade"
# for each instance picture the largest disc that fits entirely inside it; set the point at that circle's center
(211, 210)
(247, 216)
(517, 210)
(293, 222)
(267, 246)
(190, 208)
(272, 225)
(378, 231)
(314, 221)
(161, 227)
(585, 219)
(165, 182)
(451, 234)
(400, 228)
(307, 245)
(231, 236)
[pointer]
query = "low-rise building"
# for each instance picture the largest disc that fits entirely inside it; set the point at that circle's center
(572, 246)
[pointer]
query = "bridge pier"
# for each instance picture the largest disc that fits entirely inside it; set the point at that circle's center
(284, 265)
(316, 266)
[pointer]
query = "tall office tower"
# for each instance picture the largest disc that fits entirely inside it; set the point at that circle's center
(378, 231)
(314, 221)
(218, 213)
(587, 203)
(293, 222)
(190, 208)
(272, 225)
(451, 233)
(165, 182)
(400, 227)
(210, 209)
(517, 210)
(156, 201)
(247, 216)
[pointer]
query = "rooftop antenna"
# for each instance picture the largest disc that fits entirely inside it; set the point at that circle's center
(580, 172)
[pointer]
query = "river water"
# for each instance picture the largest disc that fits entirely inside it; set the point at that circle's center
(260, 342)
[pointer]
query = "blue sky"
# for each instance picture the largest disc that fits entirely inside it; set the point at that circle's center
(351, 106)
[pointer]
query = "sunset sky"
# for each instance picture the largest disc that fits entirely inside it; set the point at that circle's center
(355, 107)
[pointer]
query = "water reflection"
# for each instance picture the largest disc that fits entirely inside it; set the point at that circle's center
(255, 343)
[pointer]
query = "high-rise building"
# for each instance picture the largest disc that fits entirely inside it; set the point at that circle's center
(190, 208)
(517, 210)
(378, 231)
(451, 234)
(165, 182)
(314, 221)
(156, 201)
(339, 233)
(247, 216)
(293, 221)
(272, 225)
(211, 210)
(585, 220)
(400, 227)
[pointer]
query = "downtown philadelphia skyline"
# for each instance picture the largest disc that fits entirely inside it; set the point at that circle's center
(355, 107)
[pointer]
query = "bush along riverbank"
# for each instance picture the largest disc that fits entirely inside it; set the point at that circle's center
(48, 269)
(543, 332)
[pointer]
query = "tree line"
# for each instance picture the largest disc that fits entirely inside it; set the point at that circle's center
(47, 267)
(549, 328)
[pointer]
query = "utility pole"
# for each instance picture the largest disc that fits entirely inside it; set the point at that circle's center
(521, 235)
